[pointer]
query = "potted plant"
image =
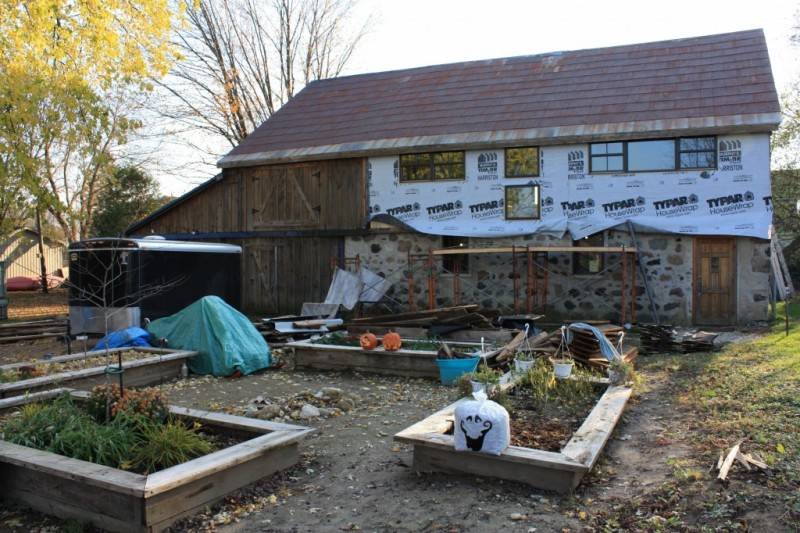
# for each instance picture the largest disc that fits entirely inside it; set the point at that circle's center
(523, 361)
(485, 379)
(562, 362)
(620, 371)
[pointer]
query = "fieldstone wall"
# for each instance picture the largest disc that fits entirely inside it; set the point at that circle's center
(492, 283)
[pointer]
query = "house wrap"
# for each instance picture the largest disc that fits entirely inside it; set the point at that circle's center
(661, 148)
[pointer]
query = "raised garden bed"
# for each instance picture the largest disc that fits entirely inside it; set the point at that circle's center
(403, 362)
(156, 366)
(116, 500)
(433, 448)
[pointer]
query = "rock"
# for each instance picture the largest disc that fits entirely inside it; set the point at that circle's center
(251, 411)
(331, 393)
(268, 412)
(346, 405)
(309, 411)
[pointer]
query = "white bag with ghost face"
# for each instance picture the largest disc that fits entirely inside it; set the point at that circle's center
(481, 426)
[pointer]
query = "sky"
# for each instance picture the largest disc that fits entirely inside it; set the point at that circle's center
(414, 33)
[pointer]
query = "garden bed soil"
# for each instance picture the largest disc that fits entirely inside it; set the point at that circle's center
(141, 366)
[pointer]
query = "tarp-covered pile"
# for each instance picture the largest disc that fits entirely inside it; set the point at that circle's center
(226, 340)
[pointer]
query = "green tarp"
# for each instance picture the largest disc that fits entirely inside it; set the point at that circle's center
(225, 339)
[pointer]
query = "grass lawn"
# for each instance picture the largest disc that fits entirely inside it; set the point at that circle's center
(749, 393)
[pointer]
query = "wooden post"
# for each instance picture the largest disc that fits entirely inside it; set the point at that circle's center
(529, 295)
(42, 265)
(431, 281)
(410, 262)
(515, 274)
(624, 280)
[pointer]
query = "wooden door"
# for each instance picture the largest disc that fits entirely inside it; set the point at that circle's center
(262, 289)
(715, 281)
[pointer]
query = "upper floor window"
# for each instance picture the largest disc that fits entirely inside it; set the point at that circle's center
(432, 166)
(522, 162)
(653, 155)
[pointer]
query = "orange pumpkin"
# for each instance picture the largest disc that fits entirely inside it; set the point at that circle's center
(391, 342)
(368, 341)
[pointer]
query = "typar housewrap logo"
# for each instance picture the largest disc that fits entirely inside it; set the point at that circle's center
(547, 204)
(576, 165)
(730, 155)
(731, 204)
(405, 211)
(676, 206)
(578, 209)
(624, 208)
(396, 169)
(445, 211)
(487, 166)
(486, 210)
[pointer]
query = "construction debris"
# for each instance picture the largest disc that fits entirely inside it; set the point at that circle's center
(747, 460)
(662, 338)
(38, 329)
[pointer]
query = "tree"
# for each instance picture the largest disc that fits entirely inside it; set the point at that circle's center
(244, 59)
(69, 72)
(129, 196)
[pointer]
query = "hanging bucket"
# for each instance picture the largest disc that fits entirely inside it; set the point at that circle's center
(451, 369)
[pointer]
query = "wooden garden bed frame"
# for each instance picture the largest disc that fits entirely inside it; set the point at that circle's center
(561, 472)
(402, 362)
(116, 500)
(163, 365)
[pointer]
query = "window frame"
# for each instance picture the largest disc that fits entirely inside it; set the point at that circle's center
(509, 201)
(449, 261)
(679, 151)
(576, 271)
(432, 165)
(536, 172)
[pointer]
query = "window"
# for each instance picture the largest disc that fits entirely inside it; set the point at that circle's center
(432, 166)
(588, 263)
(522, 162)
(654, 155)
(606, 157)
(522, 202)
(455, 262)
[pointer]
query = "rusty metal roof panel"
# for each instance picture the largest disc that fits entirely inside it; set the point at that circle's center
(703, 84)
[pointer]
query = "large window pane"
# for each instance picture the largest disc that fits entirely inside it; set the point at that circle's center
(698, 152)
(651, 155)
(432, 166)
(522, 162)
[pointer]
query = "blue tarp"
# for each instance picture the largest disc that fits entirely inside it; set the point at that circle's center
(226, 341)
(122, 338)
(606, 348)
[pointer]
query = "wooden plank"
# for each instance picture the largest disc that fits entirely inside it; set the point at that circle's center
(587, 443)
(429, 459)
(192, 497)
(728, 462)
(524, 249)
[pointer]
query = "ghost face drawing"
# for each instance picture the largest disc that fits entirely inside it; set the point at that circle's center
(475, 429)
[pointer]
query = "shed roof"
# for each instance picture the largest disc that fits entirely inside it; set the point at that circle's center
(701, 85)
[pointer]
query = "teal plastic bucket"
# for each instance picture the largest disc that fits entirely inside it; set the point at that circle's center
(451, 369)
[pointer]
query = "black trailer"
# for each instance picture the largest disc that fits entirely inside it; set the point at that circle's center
(118, 283)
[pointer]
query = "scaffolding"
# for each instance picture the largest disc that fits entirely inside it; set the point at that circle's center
(527, 268)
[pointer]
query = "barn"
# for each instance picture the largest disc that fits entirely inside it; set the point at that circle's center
(629, 183)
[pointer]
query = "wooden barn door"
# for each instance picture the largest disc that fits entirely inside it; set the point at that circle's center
(283, 273)
(262, 291)
(715, 281)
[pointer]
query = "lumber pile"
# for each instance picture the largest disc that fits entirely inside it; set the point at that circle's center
(37, 329)
(585, 347)
(662, 338)
(463, 315)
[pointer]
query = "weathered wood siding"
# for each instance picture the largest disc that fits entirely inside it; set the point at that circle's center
(288, 219)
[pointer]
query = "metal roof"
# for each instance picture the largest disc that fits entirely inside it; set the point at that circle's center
(701, 85)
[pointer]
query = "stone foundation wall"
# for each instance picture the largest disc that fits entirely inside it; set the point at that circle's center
(490, 279)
